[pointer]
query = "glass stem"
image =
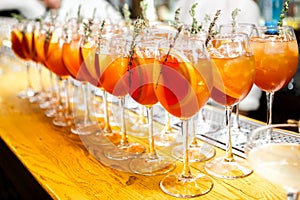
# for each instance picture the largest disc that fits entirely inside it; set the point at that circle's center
(152, 151)
(292, 196)
(186, 171)
(124, 139)
(41, 78)
(107, 128)
(270, 98)
(236, 119)
(86, 97)
(194, 142)
(142, 118)
(67, 93)
(27, 65)
(168, 128)
(229, 154)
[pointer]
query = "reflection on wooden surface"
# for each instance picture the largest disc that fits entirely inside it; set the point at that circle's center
(71, 167)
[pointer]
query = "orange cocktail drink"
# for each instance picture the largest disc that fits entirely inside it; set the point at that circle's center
(276, 61)
(183, 87)
(237, 77)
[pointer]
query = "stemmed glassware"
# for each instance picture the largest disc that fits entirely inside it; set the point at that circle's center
(239, 133)
(183, 86)
(233, 79)
(140, 83)
(113, 74)
(276, 58)
(53, 61)
(21, 36)
(276, 159)
(198, 152)
(74, 57)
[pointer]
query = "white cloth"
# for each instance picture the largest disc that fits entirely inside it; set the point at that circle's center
(29, 8)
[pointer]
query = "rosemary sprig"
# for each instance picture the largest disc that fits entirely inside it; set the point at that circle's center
(139, 25)
(144, 7)
(94, 13)
(87, 28)
(234, 15)
(79, 16)
(176, 23)
(18, 17)
(100, 36)
(285, 9)
(211, 31)
(127, 13)
(195, 28)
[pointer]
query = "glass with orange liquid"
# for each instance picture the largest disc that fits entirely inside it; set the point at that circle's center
(114, 67)
(21, 38)
(183, 85)
(276, 60)
(140, 80)
(234, 75)
(54, 62)
(74, 61)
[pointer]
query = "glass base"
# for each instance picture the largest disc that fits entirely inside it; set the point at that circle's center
(186, 187)
(221, 168)
(165, 139)
(138, 130)
(199, 153)
(114, 137)
(63, 121)
(207, 127)
(85, 129)
(150, 166)
(126, 151)
(28, 93)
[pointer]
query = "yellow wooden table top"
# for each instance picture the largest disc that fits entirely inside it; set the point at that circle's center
(66, 169)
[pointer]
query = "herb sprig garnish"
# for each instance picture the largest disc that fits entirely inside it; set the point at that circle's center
(195, 28)
(138, 26)
(285, 9)
(18, 17)
(178, 25)
(234, 15)
(144, 7)
(127, 13)
(211, 31)
(100, 36)
(79, 16)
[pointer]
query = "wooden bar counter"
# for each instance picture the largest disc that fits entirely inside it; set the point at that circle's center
(44, 161)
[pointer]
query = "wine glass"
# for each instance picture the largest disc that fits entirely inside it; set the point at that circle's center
(53, 60)
(239, 134)
(198, 152)
(233, 79)
(140, 83)
(21, 37)
(74, 58)
(112, 80)
(276, 59)
(276, 159)
(184, 84)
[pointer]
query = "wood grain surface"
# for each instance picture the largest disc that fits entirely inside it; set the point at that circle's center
(71, 167)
